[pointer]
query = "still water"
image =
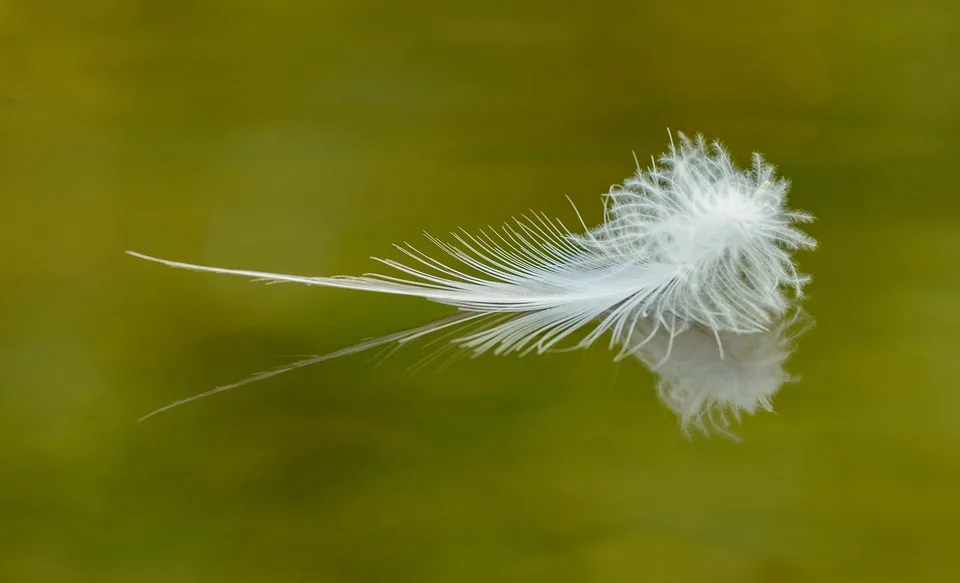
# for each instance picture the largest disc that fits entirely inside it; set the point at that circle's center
(307, 136)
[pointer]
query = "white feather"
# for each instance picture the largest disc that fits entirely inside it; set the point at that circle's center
(691, 244)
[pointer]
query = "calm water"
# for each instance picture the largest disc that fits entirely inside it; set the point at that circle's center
(307, 136)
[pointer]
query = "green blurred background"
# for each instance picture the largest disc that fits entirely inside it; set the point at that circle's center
(306, 136)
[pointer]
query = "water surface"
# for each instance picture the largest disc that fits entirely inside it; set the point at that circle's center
(307, 136)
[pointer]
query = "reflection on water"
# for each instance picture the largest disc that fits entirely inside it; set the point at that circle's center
(304, 137)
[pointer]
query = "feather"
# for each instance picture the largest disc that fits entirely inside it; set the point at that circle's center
(690, 247)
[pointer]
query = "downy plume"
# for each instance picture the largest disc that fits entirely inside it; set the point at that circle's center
(691, 272)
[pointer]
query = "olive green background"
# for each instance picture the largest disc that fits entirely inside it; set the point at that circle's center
(307, 136)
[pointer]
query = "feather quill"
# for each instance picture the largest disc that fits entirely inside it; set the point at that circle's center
(691, 271)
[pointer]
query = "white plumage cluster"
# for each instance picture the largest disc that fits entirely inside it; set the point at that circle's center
(691, 272)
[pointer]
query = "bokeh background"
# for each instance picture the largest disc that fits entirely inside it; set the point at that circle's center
(305, 136)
